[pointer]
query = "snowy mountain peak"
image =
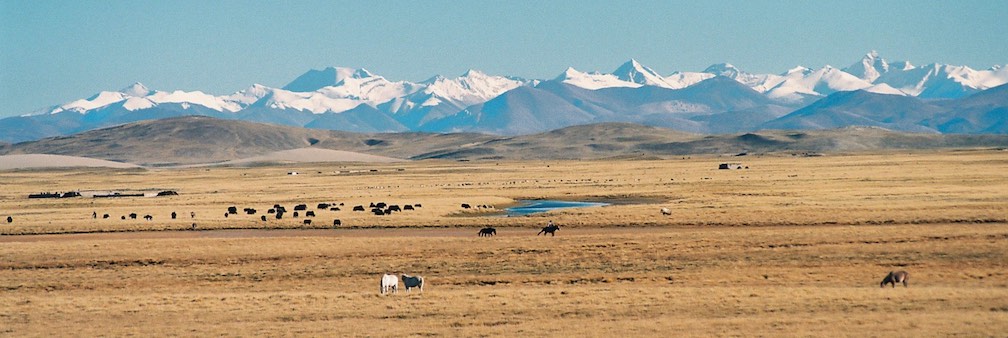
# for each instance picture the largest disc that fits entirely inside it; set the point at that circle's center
(473, 73)
(870, 68)
(723, 69)
(317, 79)
(136, 89)
(633, 71)
(798, 69)
(592, 81)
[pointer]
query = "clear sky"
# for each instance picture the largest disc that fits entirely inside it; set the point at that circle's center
(52, 52)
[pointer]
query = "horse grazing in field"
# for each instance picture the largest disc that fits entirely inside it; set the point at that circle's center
(549, 229)
(389, 283)
(488, 231)
(895, 277)
(412, 282)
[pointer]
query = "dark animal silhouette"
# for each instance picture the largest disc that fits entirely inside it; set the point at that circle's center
(412, 282)
(380, 205)
(394, 208)
(895, 277)
(309, 214)
(194, 226)
(486, 232)
(279, 215)
(323, 205)
(271, 211)
(94, 214)
(226, 215)
(407, 207)
(192, 214)
(358, 208)
(10, 220)
(123, 217)
(300, 207)
(334, 209)
(417, 205)
(232, 210)
(263, 218)
(371, 205)
(148, 217)
(133, 216)
(295, 214)
(307, 222)
(105, 216)
(336, 222)
(466, 206)
(173, 215)
(378, 212)
(250, 211)
(550, 229)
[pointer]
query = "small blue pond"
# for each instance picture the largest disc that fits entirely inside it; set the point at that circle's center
(527, 207)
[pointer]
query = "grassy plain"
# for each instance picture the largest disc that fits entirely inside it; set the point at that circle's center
(791, 246)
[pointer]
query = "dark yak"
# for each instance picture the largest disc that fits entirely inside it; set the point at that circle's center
(488, 231)
(300, 207)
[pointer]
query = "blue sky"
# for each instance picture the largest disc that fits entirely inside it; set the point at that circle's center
(56, 51)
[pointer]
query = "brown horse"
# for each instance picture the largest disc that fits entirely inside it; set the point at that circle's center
(895, 277)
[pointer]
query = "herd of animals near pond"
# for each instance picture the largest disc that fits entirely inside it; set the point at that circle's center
(390, 282)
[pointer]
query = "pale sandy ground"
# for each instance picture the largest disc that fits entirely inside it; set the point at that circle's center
(309, 155)
(29, 161)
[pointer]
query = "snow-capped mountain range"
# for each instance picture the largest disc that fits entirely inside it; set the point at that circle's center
(359, 100)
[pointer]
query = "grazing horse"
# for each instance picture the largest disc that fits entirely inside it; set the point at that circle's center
(666, 211)
(488, 231)
(549, 229)
(412, 282)
(389, 283)
(895, 277)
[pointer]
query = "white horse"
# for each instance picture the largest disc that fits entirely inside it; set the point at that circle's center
(666, 211)
(412, 282)
(389, 283)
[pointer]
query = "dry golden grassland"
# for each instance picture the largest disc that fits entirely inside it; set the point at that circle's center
(791, 246)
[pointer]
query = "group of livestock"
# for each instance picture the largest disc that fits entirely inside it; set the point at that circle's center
(134, 215)
(390, 283)
(382, 208)
(278, 211)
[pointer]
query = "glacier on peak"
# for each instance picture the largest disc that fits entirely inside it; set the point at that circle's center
(592, 81)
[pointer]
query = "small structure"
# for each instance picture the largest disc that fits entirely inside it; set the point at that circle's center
(725, 166)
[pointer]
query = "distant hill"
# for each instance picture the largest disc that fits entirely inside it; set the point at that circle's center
(200, 140)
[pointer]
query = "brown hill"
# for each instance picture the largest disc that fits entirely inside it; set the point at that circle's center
(199, 140)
